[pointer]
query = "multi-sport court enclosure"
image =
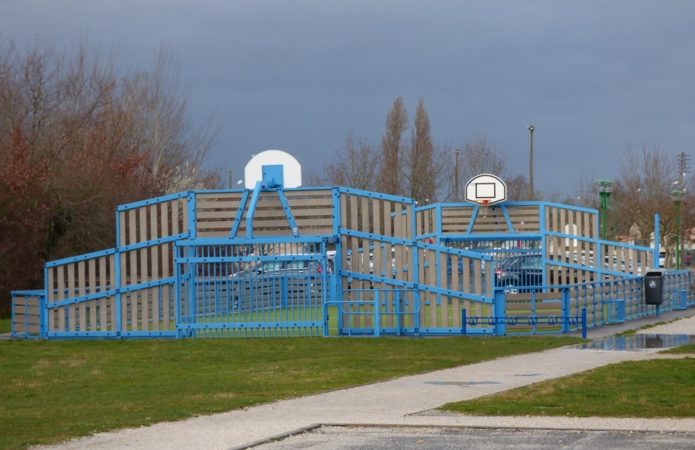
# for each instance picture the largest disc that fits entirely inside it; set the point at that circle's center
(333, 261)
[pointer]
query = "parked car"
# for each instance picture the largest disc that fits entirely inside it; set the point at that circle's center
(278, 284)
(518, 272)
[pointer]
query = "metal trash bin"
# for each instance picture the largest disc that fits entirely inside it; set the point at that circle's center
(654, 287)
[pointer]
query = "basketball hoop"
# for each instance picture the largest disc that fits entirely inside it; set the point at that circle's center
(486, 190)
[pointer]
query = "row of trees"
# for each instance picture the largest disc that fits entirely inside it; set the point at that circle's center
(77, 138)
(644, 187)
(408, 163)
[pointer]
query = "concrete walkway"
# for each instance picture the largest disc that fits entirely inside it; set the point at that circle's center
(404, 401)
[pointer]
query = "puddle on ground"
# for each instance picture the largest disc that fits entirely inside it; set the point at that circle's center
(637, 342)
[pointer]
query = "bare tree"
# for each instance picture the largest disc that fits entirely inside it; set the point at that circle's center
(392, 146)
(421, 166)
(480, 156)
(643, 188)
(77, 138)
(356, 165)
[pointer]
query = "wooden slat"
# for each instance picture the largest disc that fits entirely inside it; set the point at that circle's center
(183, 209)
(130, 277)
(50, 296)
(155, 250)
(82, 290)
(175, 228)
(61, 296)
(204, 216)
(112, 277)
(477, 273)
(92, 283)
(103, 304)
(455, 287)
(444, 307)
(424, 298)
(71, 293)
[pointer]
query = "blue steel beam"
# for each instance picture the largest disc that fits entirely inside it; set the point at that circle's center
(152, 201)
(474, 217)
(510, 227)
(239, 214)
(288, 213)
(252, 209)
(418, 287)
(422, 245)
(369, 194)
(84, 257)
(204, 242)
(494, 237)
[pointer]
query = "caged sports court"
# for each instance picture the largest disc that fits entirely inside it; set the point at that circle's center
(280, 259)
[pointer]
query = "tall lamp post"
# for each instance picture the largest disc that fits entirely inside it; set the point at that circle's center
(677, 196)
(604, 190)
(531, 129)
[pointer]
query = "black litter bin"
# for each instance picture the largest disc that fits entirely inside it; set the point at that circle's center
(654, 287)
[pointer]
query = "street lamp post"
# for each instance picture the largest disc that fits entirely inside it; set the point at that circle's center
(604, 189)
(677, 196)
(456, 176)
(531, 129)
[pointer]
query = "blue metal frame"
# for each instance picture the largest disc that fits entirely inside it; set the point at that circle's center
(604, 302)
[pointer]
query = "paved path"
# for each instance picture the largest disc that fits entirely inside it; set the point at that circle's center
(404, 401)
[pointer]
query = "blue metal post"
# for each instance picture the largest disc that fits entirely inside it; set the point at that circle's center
(377, 314)
(43, 311)
(657, 240)
(464, 318)
(438, 223)
(192, 219)
(397, 308)
(116, 284)
(544, 238)
(565, 310)
(414, 267)
(684, 299)
(338, 261)
(177, 291)
(584, 322)
(500, 313)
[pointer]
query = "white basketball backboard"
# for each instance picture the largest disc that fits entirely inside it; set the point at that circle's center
(486, 189)
(291, 169)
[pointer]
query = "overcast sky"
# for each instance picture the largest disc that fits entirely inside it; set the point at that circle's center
(594, 77)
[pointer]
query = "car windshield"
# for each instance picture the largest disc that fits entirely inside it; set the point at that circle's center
(269, 266)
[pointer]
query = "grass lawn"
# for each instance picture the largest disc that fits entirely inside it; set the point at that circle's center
(690, 348)
(5, 325)
(53, 391)
(658, 388)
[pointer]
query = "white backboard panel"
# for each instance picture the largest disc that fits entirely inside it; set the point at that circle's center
(291, 169)
(486, 189)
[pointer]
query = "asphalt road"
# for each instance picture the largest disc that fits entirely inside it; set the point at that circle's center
(479, 439)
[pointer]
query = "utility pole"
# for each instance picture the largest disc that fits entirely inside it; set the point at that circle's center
(531, 129)
(456, 176)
